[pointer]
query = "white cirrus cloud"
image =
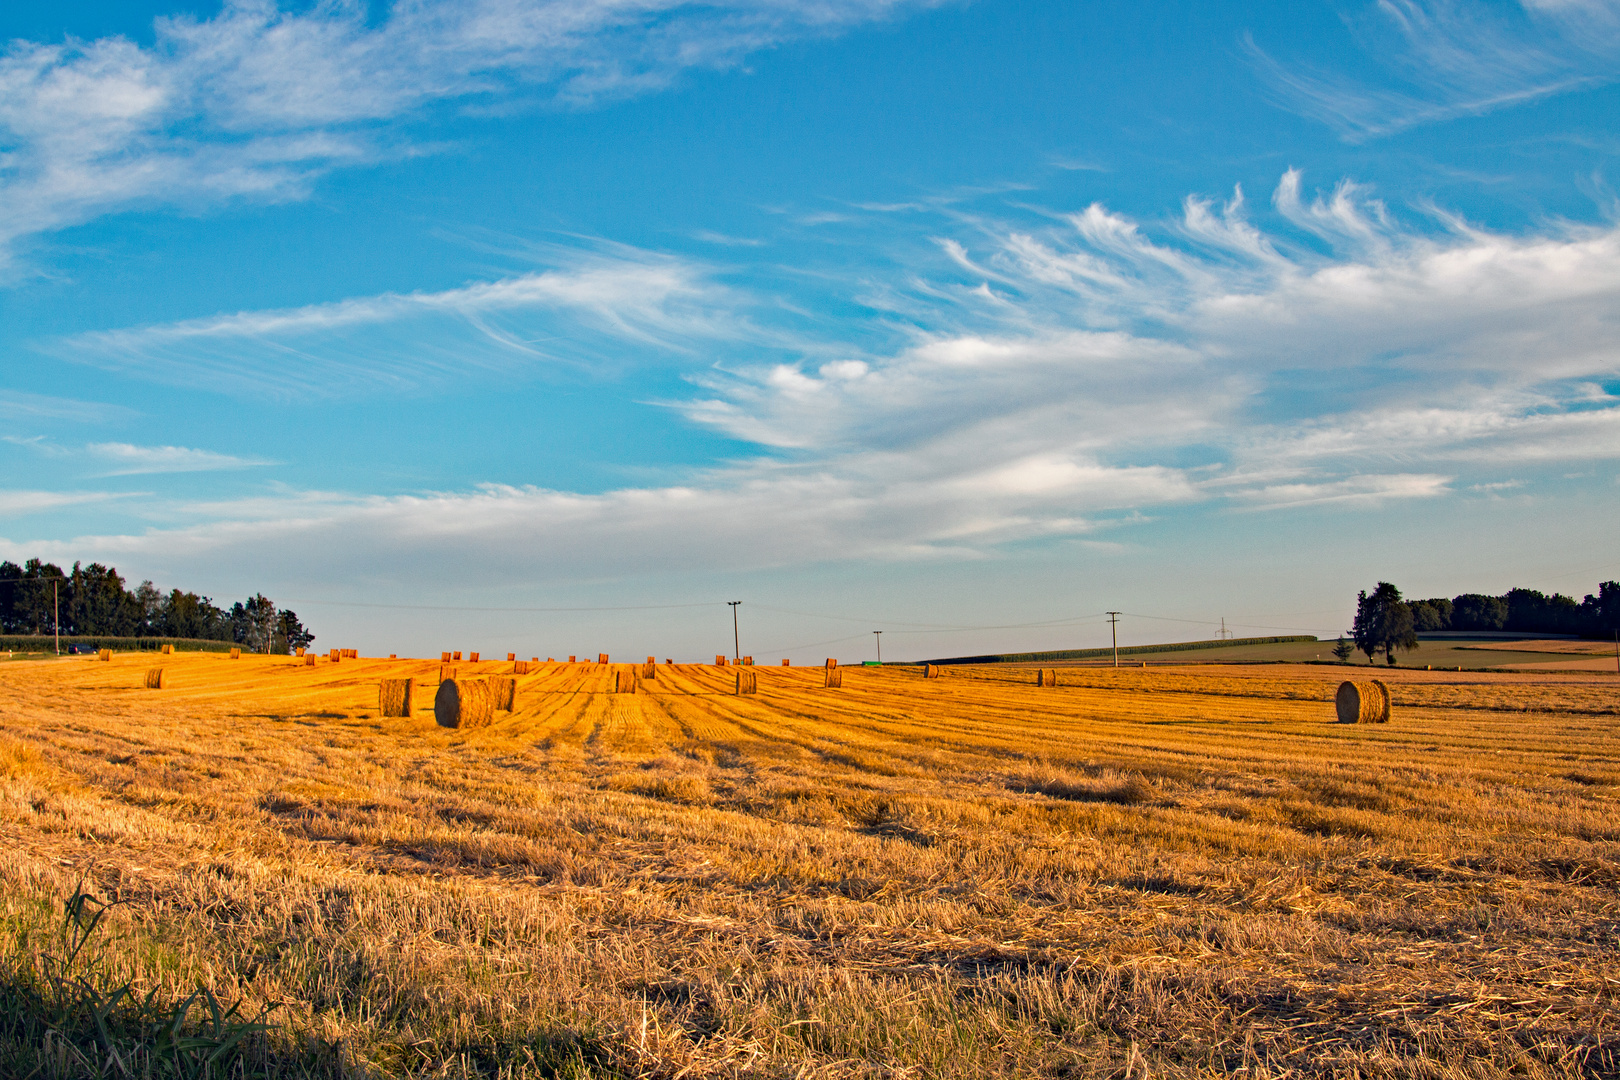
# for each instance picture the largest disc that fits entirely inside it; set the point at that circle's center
(1449, 58)
(127, 459)
(1055, 377)
(20, 503)
(578, 316)
(258, 101)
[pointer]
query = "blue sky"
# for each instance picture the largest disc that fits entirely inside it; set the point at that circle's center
(965, 321)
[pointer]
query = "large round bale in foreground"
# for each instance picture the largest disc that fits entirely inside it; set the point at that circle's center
(464, 703)
(1362, 702)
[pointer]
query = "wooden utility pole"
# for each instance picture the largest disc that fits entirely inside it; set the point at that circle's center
(736, 638)
(1113, 623)
(56, 617)
(878, 634)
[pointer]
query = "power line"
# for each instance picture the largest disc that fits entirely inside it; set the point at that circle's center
(458, 607)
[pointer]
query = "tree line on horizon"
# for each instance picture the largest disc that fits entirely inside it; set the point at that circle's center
(39, 598)
(1385, 622)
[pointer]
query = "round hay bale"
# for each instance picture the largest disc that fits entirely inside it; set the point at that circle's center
(1362, 703)
(154, 678)
(464, 703)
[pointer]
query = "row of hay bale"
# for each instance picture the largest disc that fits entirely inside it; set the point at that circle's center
(1355, 702)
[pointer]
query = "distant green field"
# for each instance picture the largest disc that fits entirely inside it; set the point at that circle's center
(1440, 654)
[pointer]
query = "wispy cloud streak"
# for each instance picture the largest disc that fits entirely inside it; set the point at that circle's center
(1445, 58)
(257, 102)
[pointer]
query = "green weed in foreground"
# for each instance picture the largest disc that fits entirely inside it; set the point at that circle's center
(62, 1016)
(66, 1015)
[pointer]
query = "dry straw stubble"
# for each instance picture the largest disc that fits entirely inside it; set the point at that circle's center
(973, 882)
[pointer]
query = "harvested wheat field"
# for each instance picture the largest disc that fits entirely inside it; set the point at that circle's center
(1144, 873)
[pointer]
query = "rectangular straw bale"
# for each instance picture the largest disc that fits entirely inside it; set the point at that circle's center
(444, 658)
(472, 658)
(236, 654)
(649, 670)
(601, 658)
(1046, 677)
(747, 682)
(520, 667)
(624, 681)
(748, 661)
(719, 661)
(394, 697)
(511, 656)
(835, 678)
(166, 649)
(309, 661)
(831, 662)
(787, 663)
(154, 678)
(106, 654)
(456, 655)
(570, 659)
(505, 693)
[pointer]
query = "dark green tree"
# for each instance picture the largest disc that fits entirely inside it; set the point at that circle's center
(1603, 610)
(1475, 611)
(1343, 650)
(99, 603)
(1383, 623)
(291, 634)
(1431, 615)
(33, 607)
(253, 624)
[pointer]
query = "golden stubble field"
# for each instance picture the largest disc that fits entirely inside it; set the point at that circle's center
(1171, 872)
